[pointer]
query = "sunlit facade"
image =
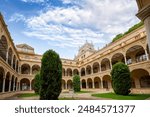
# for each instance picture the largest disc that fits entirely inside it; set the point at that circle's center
(19, 64)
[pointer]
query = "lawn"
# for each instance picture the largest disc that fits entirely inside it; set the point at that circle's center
(121, 97)
(27, 95)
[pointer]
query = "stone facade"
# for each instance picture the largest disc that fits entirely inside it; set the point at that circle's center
(19, 64)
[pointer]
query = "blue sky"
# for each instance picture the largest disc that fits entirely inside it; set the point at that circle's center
(65, 25)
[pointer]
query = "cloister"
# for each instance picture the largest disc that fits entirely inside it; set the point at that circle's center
(19, 63)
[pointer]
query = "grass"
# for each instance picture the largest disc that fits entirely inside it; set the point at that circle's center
(27, 95)
(121, 97)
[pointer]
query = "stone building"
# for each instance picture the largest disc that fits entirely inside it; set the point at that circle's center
(19, 64)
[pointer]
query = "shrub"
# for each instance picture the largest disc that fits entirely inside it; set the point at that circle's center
(121, 80)
(76, 83)
(136, 26)
(37, 83)
(51, 76)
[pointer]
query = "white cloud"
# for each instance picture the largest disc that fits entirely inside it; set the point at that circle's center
(92, 20)
(17, 17)
(34, 1)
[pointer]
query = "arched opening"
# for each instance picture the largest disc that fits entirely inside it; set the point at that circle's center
(96, 67)
(32, 84)
(25, 69)
(10, 56)
(69, 72)
(25, 84)
(89, 83)
(88, 70)
(2, 73)
(7, 82)
(83, 84)
(105, 64)
(119, 57)
(15, 88)
(83, 72)
(135, 54)
(3, 47)
(35, 69)
(63, 72)
(141, 78)
(97, 82)
(17, 70)
(75, 72)
(14, 62)
(12, 82)
(107, 82)
(63, 84)
(69, 84)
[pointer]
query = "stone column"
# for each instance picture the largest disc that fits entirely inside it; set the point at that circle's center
(93, 85)
(12, 61)
(147, 26)
(87, 84)
(14, 85)
(100, 67)
(3, 90)
(30, 85)
(30, 70)
(102, 84)
(125, 59)
(19, 86)
(147, 57)
(7, 55)
(110, 64)
(144, 15)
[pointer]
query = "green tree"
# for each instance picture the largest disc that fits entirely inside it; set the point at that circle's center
(37, 83)
(51, 76)
(121, 80)
(76, 83)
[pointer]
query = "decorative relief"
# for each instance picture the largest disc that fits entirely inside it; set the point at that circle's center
(143, 41)
(148, 66)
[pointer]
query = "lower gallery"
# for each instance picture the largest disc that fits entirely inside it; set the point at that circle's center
(19, 63)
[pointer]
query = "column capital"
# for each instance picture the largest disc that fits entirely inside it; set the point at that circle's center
(144, 12)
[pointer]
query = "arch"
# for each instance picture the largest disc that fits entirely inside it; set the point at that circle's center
(7, 81)
(63, 84)
(83, 84)
(88, 70)
(141, 78)
(17, 70)
(69, 84)
(14, 62)
(97, 82)
(83, 72)
(96, 67)
(25, 69)
(118, 57)
(75, 72)
(135, 54)
(12, 83)
(3, 47)
(107, 83)
(25, 84)
(15, 87)
(2, 73)
(35, 69)
(89, 83)
(10, 54)
(69, 72)
(105, 64)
